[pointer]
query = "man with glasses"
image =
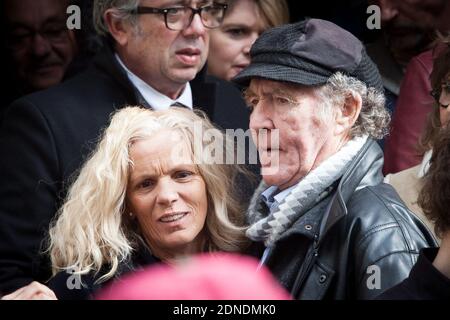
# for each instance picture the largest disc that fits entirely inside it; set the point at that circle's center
(154, 57)
(39, 47)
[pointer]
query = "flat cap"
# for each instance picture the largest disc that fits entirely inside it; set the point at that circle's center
(309, 53)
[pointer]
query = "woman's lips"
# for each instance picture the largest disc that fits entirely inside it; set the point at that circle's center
(173, 217)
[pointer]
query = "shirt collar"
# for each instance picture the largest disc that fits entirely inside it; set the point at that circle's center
(272, 197)
(154, 98)
(425, 165)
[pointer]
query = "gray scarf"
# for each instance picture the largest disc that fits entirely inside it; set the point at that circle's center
(268, 227)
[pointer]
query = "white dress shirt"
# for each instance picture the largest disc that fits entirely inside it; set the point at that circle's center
(154, 98)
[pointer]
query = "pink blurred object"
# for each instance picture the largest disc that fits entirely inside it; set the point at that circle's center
(203, 277)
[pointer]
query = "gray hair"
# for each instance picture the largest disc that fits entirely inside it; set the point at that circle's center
(374, 118)
(123, 10)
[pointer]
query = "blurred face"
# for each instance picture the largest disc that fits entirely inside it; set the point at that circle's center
(230, 44)
(164, 58)
(167, 195)
(39, 42)
(305, 140)
(405, 37)
(444, 102)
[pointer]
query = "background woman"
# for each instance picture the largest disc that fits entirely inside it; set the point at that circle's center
(430, 277)
(409, 182)
(244, 21)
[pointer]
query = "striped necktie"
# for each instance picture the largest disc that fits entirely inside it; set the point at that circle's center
(179, 104)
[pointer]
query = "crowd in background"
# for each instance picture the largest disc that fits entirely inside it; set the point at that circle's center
(92, 71)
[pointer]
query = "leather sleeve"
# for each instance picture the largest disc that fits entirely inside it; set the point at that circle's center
(389, 239)
(28, 192)
(385, 273)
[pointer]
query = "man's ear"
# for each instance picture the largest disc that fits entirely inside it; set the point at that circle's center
(118, 28)
(348, 113)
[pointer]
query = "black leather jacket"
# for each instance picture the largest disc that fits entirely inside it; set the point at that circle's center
(354, 244)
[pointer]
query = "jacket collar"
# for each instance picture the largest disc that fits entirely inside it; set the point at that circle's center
(363, 171)
(204, 92)
(106, 62)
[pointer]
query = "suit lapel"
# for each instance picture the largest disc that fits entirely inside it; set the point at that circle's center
(106, 62)
(204, 93)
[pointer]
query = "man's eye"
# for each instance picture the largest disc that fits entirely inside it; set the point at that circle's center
(253, 102)
(282, 101)
(212, 9)
(176, 11)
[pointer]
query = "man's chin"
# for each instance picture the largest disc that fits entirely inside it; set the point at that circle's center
(271, 175)
(42, 84)
(185, 75)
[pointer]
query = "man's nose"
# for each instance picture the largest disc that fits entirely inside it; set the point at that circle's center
(167, 193)
(261, 118)
(388, 10)
(40, 45)
(196, 28)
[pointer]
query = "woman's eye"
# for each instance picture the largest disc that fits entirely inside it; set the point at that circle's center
(446, 88)
(183, 174)
(236, 32)
(147, 183)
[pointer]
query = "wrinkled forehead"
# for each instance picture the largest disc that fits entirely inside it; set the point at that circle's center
(167, 146)
(264, 86)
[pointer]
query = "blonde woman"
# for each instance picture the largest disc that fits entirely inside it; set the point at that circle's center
(244, 21)
(149, 193)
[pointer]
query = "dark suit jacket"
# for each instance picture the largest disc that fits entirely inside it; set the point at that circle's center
(46, 136)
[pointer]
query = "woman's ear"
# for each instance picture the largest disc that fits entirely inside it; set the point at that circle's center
(348, 113)
(118, 28)
(128, 209)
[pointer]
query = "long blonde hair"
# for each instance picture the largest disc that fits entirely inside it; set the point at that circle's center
(91, 230)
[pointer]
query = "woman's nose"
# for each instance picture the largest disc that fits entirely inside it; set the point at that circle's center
(250, 43)
(167, 193)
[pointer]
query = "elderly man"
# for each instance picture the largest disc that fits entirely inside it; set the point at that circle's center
(322, 219)
(155, 51)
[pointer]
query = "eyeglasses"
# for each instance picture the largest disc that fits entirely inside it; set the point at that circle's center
(19, 38)
(442, 95)
(179, 18)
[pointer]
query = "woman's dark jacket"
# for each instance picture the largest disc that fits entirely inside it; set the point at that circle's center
(425, 282)
(68, 286)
